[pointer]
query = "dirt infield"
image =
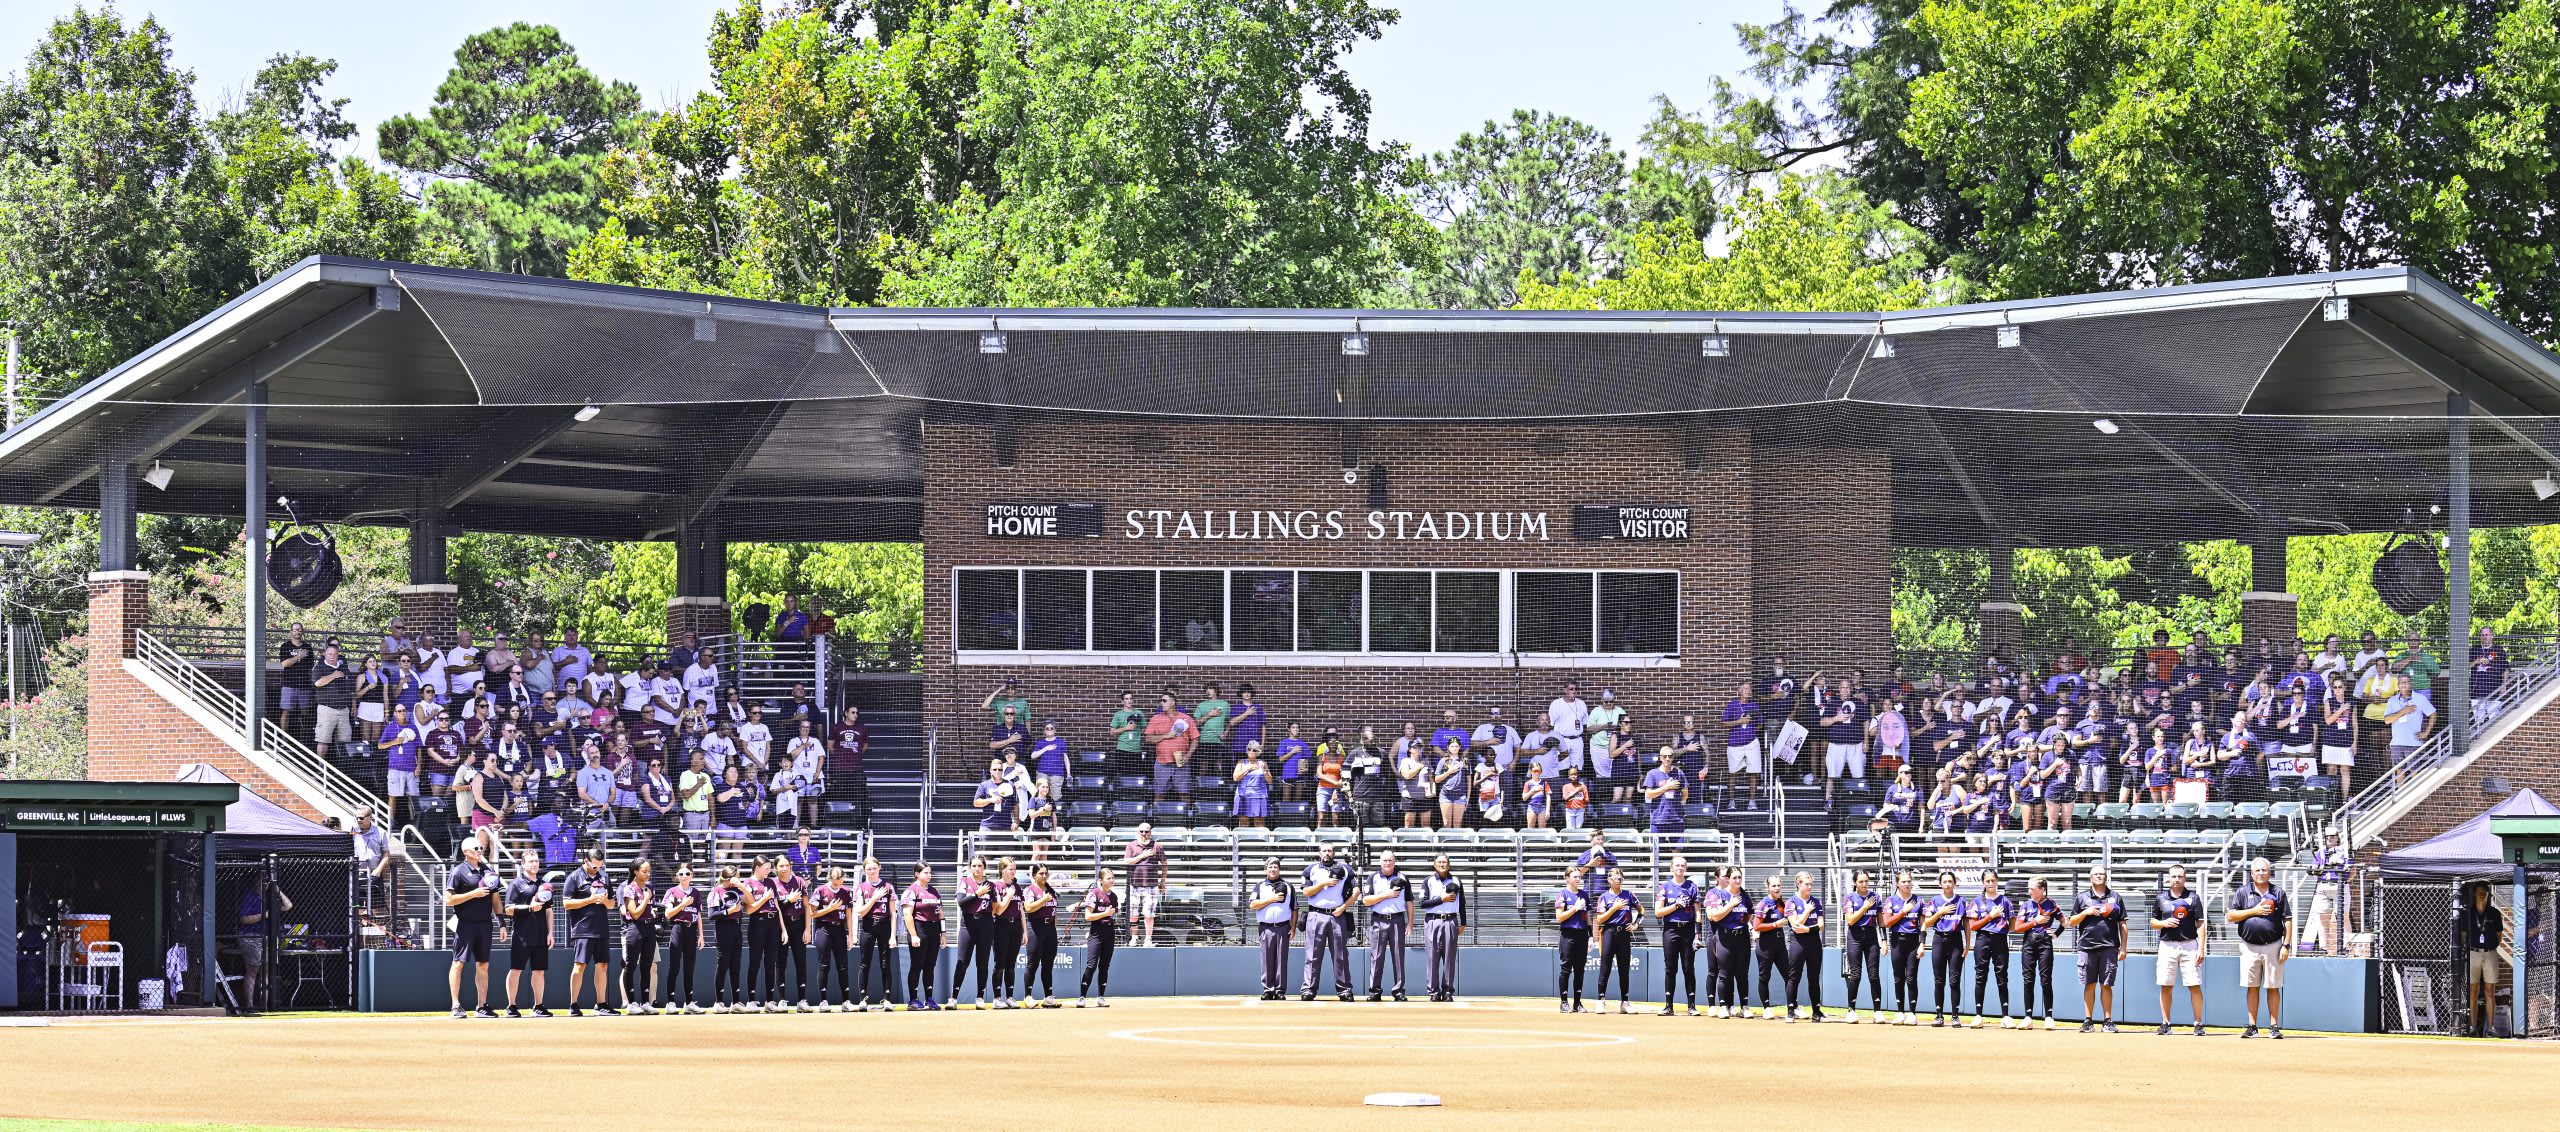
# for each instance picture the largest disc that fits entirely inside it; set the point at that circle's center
(1162, 1064)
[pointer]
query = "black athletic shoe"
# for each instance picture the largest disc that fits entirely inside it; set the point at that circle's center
(512, 1012)
(1376, 997)
(2088, 1027)
(484, 1012)
(2276, 1032)
(1345, 997)
(1400, 996)
(574, 1012)
(2251, 1032)
(541, 1012)
(607, 1012)
(1310, 996)
(2163, 1031)
(1666, 1010)
(2110, 1027)
(2199, 1029)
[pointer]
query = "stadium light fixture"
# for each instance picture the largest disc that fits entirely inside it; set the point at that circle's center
(2009, 337)
(159, 476)
(588, 413)
(2104, 425)
(991, 342)
(18, 540)
(1355, 345)
(2544, 487)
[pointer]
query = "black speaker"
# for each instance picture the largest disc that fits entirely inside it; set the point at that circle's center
(2408, 577)
(303, 566)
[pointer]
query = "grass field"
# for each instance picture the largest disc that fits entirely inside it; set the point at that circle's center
(1161, 1064)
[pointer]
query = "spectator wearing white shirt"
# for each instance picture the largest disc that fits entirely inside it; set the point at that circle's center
(431, 674)
(804, 772)
(1499, 736)
(635, 686)
(755, 739)
(666, 697)
(463, 674)
(1566, 716)
(540, 672)
(702, 682)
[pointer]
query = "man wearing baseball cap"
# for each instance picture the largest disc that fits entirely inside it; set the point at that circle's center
(470, 890)
(1325, 884)
(1270, 905)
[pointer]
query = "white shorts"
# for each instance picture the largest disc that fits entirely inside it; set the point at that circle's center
(370, 711)
(1144, 901)
(2337, 756)
(2180, 963)
(1845, 758)
(1604, 762)
(403, 784)
(1568, 751)
(2093, 778)
(2482, 967)
(1743, 759)
(2261, 965)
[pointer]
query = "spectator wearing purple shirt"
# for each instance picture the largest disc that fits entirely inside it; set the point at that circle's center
(1741, 746)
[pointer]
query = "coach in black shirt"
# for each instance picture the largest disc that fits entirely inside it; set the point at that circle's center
(2478, 930)
(469, 891)
(528, 935)
(2177, 913)
(589, 902)
(2264, 916)
(2098, 912)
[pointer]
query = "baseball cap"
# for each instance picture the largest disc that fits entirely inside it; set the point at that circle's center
(1608, 693)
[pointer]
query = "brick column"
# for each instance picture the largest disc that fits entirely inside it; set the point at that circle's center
(2004, 628)
(703, 615)
(2272, 616)
(434, 609)
(119, 603)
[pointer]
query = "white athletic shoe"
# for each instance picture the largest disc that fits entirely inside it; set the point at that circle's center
(2048, 1023)
(1853, 1017)
(1080, 1003)
(1977, 1021)
(719, 1008)
(1101, 1002)
(2006, 1023)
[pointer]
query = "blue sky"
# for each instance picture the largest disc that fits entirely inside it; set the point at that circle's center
(1444, 68)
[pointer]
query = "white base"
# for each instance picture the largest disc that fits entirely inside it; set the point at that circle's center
(1402, 1100)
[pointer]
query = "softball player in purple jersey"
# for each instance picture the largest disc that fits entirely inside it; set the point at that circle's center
(1101, 912)
(1987, 917)
(727, 906)
(764, 939)
(1006, 913)
(924, 939)
(637, 900)
(681, 908)
(1040, 914)
(875, 915)
(1943, 917)
(1901, 923)
(831, 933)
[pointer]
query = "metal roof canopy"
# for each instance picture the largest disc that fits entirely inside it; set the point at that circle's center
(394, 389)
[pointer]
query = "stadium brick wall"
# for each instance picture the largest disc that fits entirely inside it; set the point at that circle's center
(134, 734)
(432, 610)
(2527, 757)
(1125, 466)
(1822, 558)
(2274, 620)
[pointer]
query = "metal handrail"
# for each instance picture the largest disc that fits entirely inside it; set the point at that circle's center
(411, 843)
(321, 778)
(222, 643)
(2522, 681)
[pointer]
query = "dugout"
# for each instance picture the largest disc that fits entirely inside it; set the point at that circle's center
(134, 853)
(2512, 848)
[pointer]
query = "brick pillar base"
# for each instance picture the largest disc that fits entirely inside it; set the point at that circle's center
(2004, 628)
(2272, 616)
(119, 602)
(431, 609)
(703, 615)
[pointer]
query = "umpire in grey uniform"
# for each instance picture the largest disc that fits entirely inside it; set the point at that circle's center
(1270, 905)
(1387, 894)
(1444, 910)
(1327, 886)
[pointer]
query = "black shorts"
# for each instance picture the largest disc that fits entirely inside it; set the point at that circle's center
(527, 951)
(2098, 966)
(471, 940)
(1419, 806)
(588, 951)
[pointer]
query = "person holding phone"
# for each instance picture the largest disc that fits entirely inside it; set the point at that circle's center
(681, 910)
(1101, 911)
(923, 911)
(875, 912)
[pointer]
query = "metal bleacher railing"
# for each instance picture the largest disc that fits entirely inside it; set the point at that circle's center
(320, 779)
(2535, 663)
(1511, 874)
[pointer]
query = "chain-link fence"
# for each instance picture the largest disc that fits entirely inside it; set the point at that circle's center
(2428, 970)
(285, 933)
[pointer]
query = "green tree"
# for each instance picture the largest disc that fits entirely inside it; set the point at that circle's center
(292, 196)
(114, 228)
(1809, 244)
(515, 146)
(1541, 195)
(1205, 153)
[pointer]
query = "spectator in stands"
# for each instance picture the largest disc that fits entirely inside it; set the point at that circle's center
(666, 702)
(1574, 797)
(1144, 861)
(1497, 738)
(2411, 717)
(2479, 931)
(2265, 919)
(495, 663)
(1666, 791)
(1171, 731)
(993, 799)
(2178, 915)
(595, 789)
(701, 680)
(1901, 810)
(294, 660)
(1333, 804)
(570, 661)
(1741, 749)
(693, 794)
(1688, 748)
(372, 700)
(1211, 755)
(2337, 735)
(1373, 793)
(1128, 737)
(1844, 724)
(2489, 669)
(540, 673)
(755, 741)
(687, 650)
(2328, 901)
(1606, 734)
(1450, 778)
(1537, 798)
(793, 625)
(1413, 779)
(1008, 735)
(2098, 912)
(1252, 788)
(1567, 717)
(1296, 765)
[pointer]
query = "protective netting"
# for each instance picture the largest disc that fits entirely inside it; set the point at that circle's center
(2427, 972)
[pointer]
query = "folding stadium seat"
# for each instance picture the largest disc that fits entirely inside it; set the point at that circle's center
(2255, 839)
(2148, 814)
(2285, 812)
(1127, 813)
(1091, 762)
(1253, 837)
(1616, 814)
(1416, 835)
(1170, 816)
(1087, 812)
(1542, 837)
(1095, 786)
(1499, 838)
(1213, 812)
(1460, 836)
(2215, 815)
(2082, 813)
(1132, 785)
(1623, 835)
(1293, 814)
(2184, 812)
(1704, 814)
(2111, 815)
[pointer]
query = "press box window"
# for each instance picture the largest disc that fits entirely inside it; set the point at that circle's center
(1053, 610)
(1194, 605)
(1466, 611)
(988, 609)
(1329, 610)
(1399, 611)
(1124, 610)
(1262, 609)
(1551, 611)
(1640, 612)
